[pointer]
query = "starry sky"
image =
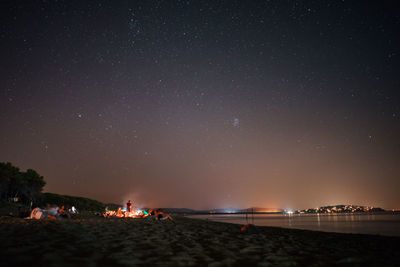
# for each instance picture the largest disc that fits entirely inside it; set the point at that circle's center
(205, 104)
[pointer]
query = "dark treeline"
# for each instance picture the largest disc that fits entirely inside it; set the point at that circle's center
(81, 203)
(26, 188)
(16, 184)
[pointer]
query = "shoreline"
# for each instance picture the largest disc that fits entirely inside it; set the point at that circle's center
(183, 242)
(324, 223)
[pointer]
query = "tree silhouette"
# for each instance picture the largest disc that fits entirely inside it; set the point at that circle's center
(33, 184)
(8, 179)
(14, 183)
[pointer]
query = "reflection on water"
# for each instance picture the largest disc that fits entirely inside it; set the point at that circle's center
(362, 223)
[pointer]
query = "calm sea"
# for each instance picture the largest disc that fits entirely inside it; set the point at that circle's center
(381, 224)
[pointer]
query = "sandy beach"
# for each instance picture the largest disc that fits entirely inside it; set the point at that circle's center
(182, 242)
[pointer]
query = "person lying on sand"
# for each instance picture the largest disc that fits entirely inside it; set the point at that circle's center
(51, 210)
(38, 213)
(160, 215)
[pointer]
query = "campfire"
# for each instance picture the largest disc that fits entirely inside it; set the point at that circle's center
(130, 212)
(123, 213)
(126, 212)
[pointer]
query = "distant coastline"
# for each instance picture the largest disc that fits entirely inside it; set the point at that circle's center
(335, 209)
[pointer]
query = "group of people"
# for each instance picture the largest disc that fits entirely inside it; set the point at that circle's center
(157, 214)
(52, 212)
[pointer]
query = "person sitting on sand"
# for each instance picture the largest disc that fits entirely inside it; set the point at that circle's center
(73, 210)
(119, 212)
(62, 212)
(145, 213)
(152, 212)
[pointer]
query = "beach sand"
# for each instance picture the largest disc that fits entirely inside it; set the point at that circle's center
(182, 242)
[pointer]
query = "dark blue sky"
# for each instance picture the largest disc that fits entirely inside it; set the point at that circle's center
(203, 104)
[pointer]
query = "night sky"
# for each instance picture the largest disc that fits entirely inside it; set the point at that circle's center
(205, 104)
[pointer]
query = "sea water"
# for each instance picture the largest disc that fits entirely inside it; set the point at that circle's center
(360, 223)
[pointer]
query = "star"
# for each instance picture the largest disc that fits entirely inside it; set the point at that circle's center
(235, 122)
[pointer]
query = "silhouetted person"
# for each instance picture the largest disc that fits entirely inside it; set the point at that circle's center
(129, 206)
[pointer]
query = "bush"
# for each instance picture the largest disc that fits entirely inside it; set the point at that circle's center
(81, 203)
